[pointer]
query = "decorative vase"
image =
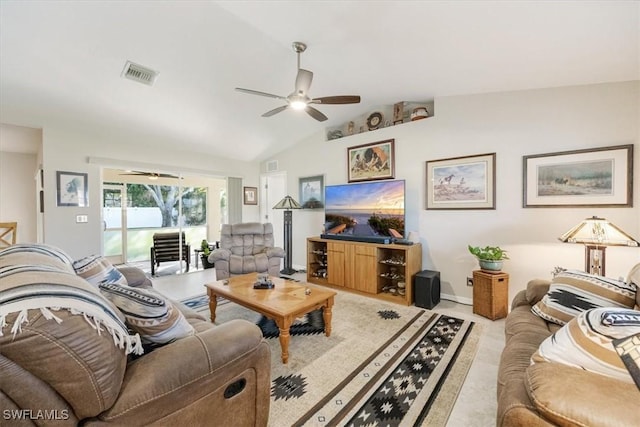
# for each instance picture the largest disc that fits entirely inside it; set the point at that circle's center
(490, 265)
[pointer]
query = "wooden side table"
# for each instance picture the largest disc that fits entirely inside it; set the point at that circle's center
(490, 294)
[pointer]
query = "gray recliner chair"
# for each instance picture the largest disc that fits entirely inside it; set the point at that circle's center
(246, 248)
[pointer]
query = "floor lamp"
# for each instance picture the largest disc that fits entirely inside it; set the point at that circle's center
(287, 203)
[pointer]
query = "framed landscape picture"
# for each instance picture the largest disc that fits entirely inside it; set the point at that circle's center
(369, 162)
(72, 189)
(462, 182)
(590, 177)
(312, 192)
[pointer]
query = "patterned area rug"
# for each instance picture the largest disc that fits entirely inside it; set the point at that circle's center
(384, 364)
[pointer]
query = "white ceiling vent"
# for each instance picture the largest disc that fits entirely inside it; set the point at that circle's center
(138, 73)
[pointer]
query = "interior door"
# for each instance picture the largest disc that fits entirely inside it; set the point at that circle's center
(274, 189)
(113, 218)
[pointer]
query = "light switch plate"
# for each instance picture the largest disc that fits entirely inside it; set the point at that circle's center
(81, 218)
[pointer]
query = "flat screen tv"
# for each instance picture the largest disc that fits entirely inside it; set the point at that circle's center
(369, 210)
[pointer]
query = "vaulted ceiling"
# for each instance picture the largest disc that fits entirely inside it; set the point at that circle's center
(60, 62)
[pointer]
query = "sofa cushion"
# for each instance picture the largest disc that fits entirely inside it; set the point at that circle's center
(149, 313)
(572, 292)
(25, 256)
(629, 351)
(567, 396)
(634, 277)
(52, 318)
(96, 269)
(586, 342)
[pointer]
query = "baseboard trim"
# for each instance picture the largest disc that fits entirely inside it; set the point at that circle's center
(454, 298)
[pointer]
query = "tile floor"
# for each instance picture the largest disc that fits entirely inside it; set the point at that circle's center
(476, 403)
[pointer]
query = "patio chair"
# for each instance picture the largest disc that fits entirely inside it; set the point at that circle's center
(166, 247)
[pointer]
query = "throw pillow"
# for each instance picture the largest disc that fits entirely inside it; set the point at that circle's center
(96, 269)
(634, 275)
(572, 292)
(148, 313)
(586, 342)
(629, 351)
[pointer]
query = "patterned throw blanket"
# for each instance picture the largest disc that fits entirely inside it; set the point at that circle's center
(48, 289)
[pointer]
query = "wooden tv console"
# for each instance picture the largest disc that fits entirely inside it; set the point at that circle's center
(366, 268)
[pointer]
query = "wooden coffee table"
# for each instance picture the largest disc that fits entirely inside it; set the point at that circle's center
(286, 301)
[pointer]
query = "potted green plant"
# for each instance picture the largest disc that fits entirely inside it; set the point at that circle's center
(204, 255)
(490, 257)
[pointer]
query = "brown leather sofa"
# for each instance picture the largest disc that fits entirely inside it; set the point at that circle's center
(550, 394)
(66, 374)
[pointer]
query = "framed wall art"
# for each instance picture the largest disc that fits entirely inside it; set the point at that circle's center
(250, 195)
(462, 182)
(590, 177)
(312, 192)
(371, 161)
(72, 189)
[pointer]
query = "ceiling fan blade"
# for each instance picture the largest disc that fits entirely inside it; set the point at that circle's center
(255, 92)
(342, 99)
(303, 81)
(315, 114)
(275, 111)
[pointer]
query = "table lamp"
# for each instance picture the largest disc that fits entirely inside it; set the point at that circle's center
(596, 234)
(287, 203)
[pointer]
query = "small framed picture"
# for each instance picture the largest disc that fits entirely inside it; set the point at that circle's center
(250, 195)
(369, 162)
(312, 192)
(398, 112)
(72, 189)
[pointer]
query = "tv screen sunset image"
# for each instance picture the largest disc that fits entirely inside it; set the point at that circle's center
(365, 209)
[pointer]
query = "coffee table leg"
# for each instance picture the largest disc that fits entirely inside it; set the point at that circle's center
(326, 314)
(284, 325)
(213, 303)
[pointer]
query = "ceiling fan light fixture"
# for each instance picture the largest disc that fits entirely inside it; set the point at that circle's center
(298, 105)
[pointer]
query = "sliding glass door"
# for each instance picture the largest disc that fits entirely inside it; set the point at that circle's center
(113, 216)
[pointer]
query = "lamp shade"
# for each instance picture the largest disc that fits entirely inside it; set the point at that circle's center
(287, 203)
(598, 231)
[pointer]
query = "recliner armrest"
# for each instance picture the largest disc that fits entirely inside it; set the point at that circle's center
(219, 254)
(183, 373)
(275, 253)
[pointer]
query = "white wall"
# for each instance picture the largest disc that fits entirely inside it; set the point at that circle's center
(18, 193)
(512, 124)
(69, 149)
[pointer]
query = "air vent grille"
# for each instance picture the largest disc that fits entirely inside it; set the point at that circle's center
(138, 73)
(272, 166)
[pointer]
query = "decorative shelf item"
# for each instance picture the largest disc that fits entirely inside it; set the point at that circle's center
(382, 117)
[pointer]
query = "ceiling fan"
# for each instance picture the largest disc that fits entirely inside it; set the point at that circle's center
(299, 99)
(151, 175)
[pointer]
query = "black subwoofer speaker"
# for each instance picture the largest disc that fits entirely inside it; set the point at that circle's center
(426, 288)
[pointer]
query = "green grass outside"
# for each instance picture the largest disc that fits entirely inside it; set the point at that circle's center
(140, 240)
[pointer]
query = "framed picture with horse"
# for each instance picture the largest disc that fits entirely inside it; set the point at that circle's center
(462, 182)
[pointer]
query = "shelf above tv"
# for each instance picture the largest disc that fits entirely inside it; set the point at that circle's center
(379, 118)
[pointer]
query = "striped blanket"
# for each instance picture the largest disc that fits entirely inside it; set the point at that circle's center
(49, 289)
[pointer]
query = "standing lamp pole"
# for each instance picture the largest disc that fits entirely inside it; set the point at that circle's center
(288, 203)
